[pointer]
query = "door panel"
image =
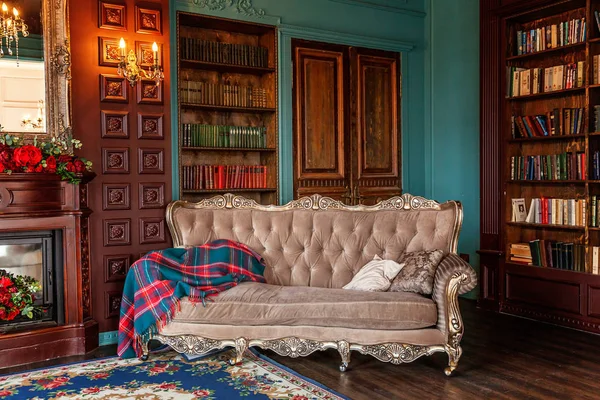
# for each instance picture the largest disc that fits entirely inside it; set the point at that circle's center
(376, 139)
(319, 120)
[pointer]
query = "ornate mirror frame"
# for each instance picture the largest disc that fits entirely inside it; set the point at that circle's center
(57, 66)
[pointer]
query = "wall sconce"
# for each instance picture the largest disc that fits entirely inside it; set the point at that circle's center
(37, 123)
(130, 69)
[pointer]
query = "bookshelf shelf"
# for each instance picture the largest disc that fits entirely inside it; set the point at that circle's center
(560, 111)
(219, 67)
(554, 93)
(262, 190)
(543, 53)
(224, 149)
(528, 225)
(210, 107)
(546, 138)
(547, 182)
(233, 66)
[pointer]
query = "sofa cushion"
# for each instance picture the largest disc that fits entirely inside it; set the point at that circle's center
(258, 304)
(418, 271)
(375, 276)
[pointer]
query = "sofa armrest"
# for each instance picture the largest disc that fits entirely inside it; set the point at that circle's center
(453, 277)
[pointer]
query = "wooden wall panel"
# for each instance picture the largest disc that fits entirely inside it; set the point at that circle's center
(376, 144)
(126, 134)
(319, 100)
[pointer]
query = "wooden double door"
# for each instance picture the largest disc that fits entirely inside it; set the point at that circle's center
(347, 135)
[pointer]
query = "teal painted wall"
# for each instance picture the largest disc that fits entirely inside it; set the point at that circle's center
(453, 111)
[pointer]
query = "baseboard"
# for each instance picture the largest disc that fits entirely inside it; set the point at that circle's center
(108, 338)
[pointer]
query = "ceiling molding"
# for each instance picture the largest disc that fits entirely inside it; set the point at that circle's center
(243, 7)
(385, 5)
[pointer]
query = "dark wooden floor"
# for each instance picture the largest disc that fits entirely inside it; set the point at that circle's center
(504, 358)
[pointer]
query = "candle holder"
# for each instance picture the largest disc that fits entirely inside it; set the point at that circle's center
(37, 123)
(133, 72)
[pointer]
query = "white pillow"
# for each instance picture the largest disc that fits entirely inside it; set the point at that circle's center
(375, 276)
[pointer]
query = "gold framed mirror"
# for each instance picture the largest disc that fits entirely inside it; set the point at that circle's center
(35, 80)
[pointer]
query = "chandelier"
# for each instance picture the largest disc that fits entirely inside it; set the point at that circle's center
(133, 72)
(10, 28)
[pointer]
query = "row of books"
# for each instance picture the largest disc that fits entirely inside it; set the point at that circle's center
(222, 94)
(199, 177)
(224, 53)
(550, 211)
(595, 173)
(199, 135)
(550, 254)
(551, 36)
(595, 211)
(523, 82)
(564, 166)
(550, 124)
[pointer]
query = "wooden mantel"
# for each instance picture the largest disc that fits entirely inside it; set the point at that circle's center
(44, 202)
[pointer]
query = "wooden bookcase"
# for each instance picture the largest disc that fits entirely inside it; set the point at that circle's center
(566, 297)
(227, 107)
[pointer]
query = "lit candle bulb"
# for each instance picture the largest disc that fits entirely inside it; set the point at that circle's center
(155, 50)
(122, 46)
(16, 13)
(4, 8)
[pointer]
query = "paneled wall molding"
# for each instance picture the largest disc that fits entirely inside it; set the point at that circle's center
(396, 6)
(237, 9)
(241, 6)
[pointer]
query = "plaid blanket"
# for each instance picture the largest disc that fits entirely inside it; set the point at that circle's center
(157, 281)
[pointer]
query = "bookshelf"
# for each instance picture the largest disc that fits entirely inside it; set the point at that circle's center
(227, 106)
(550, 120)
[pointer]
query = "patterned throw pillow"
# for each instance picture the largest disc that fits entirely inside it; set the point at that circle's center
(418, 271)
(375, 276)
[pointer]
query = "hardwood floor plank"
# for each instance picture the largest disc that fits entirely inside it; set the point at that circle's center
(504, 357)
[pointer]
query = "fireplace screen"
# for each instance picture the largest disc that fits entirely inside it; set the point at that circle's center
(35, 257)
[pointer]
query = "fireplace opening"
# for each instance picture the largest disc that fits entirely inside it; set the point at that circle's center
(39, 255)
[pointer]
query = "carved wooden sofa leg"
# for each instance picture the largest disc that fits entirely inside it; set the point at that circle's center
(343, 348)
(241, 345)
(454, 354)
(145, 351)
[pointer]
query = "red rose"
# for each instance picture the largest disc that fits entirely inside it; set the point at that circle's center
(27, 156)
(61, 379)
(51, 164)
(90, 390)
(79, 166)
(5, 282)
(100, 375)
(2, 167)
(70, 167)
(201, 393)
(64, 158)
(168, 386)
(5, 393)
(39, 168)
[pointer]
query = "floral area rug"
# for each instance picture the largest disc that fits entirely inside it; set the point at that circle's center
(166, 376)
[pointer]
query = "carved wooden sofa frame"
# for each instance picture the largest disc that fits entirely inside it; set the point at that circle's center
(457, 282)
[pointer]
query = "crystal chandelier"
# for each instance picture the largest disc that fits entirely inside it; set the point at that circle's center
(133, 72)
(10, 28)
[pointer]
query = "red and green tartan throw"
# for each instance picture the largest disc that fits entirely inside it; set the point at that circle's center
(156, 282)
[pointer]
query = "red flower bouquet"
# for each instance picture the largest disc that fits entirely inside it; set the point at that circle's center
(49, 157)
(17, 295)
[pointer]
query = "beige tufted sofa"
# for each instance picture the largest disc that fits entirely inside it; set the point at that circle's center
(312, 247)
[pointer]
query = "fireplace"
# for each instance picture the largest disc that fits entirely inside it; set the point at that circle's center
(44, 233)
(37, 254)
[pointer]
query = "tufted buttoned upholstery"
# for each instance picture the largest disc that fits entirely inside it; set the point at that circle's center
(320, 248)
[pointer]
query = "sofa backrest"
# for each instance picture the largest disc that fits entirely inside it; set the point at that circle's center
(317, 241)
